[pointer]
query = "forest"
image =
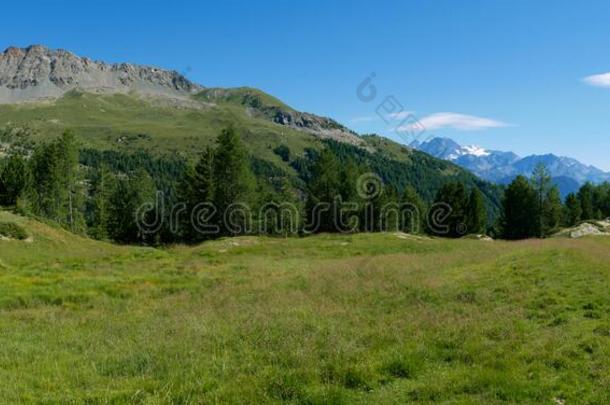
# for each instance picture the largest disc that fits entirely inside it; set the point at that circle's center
(139, 198)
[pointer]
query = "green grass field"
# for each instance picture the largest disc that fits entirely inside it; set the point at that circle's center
(380, 318)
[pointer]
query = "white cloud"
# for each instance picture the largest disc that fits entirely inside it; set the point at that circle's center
(360, 120)
(399, 115)
(458, 121)
(601, 80)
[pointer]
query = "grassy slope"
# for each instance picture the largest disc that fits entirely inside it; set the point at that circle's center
(101, 121)
(242, 96)
(125, 122)
(362, 318)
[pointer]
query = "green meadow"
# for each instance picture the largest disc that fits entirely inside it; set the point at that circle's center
(367, 318)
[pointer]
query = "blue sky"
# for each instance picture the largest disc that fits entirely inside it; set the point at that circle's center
(507, 75)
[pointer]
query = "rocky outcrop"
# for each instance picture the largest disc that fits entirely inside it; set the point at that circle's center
(38, 73)
(592, 228)
(262, 105)
(321, 126)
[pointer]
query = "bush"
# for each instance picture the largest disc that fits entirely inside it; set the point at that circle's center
(12, 231)
(283, 151)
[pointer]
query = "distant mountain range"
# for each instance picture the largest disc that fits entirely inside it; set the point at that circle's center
(502, 167)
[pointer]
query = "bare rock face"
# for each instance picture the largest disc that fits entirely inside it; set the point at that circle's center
(39, 73)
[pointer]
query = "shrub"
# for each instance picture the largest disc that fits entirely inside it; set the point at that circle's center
(283, 151)
(12, 231)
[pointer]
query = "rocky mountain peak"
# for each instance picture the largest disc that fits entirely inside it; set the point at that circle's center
(38, 73)
(502, 167)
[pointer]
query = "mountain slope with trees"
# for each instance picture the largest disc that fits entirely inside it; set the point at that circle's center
(87, 160)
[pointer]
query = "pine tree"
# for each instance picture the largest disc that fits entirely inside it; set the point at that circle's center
(67, 151)
(204, 187)
(601, 200)
(351, 215)
(102, 185)
(387, 209)
(14, 179)
(128, 197)
(604, 202)
(476, 213)
(552, 211)
(453, 196)
(57, 191)
(415, 208)
(542, 183)
(235, 183)
(348, 177)
(519, 210)
(585, 195)
(280, 210)
(324, 188)
(197, 187)
(45, 191)
(573, 210)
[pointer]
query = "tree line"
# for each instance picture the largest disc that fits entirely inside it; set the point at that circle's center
(533, 207)
(226, 192)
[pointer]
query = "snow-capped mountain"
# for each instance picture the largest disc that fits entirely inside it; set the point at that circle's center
(502, 167)
(474, 150)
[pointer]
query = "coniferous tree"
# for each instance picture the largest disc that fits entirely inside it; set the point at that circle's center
(454, 197)
(542, 184)
(387, 209)
(128, 198)
(14, 179)
(57, 191)
(415, 209)
(102, 186)
(234, 195)
(519, 210)
(280, 210)
(605, 203)
(45, 196)
(197, 188)
(552, 211)
(601, 200)
(476, 212)
(374, 198)
(573, 210)
(187, 199)
(204, 186)
(67, 150)
(351, 215)
(585, 195)
(324, 189)
(348, 177)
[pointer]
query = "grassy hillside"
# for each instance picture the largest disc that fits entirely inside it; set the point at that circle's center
(127, 122)
(164, 127)
(380, 318)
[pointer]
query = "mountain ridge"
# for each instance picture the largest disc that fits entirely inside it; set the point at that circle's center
(502, 167)
(38, 73)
